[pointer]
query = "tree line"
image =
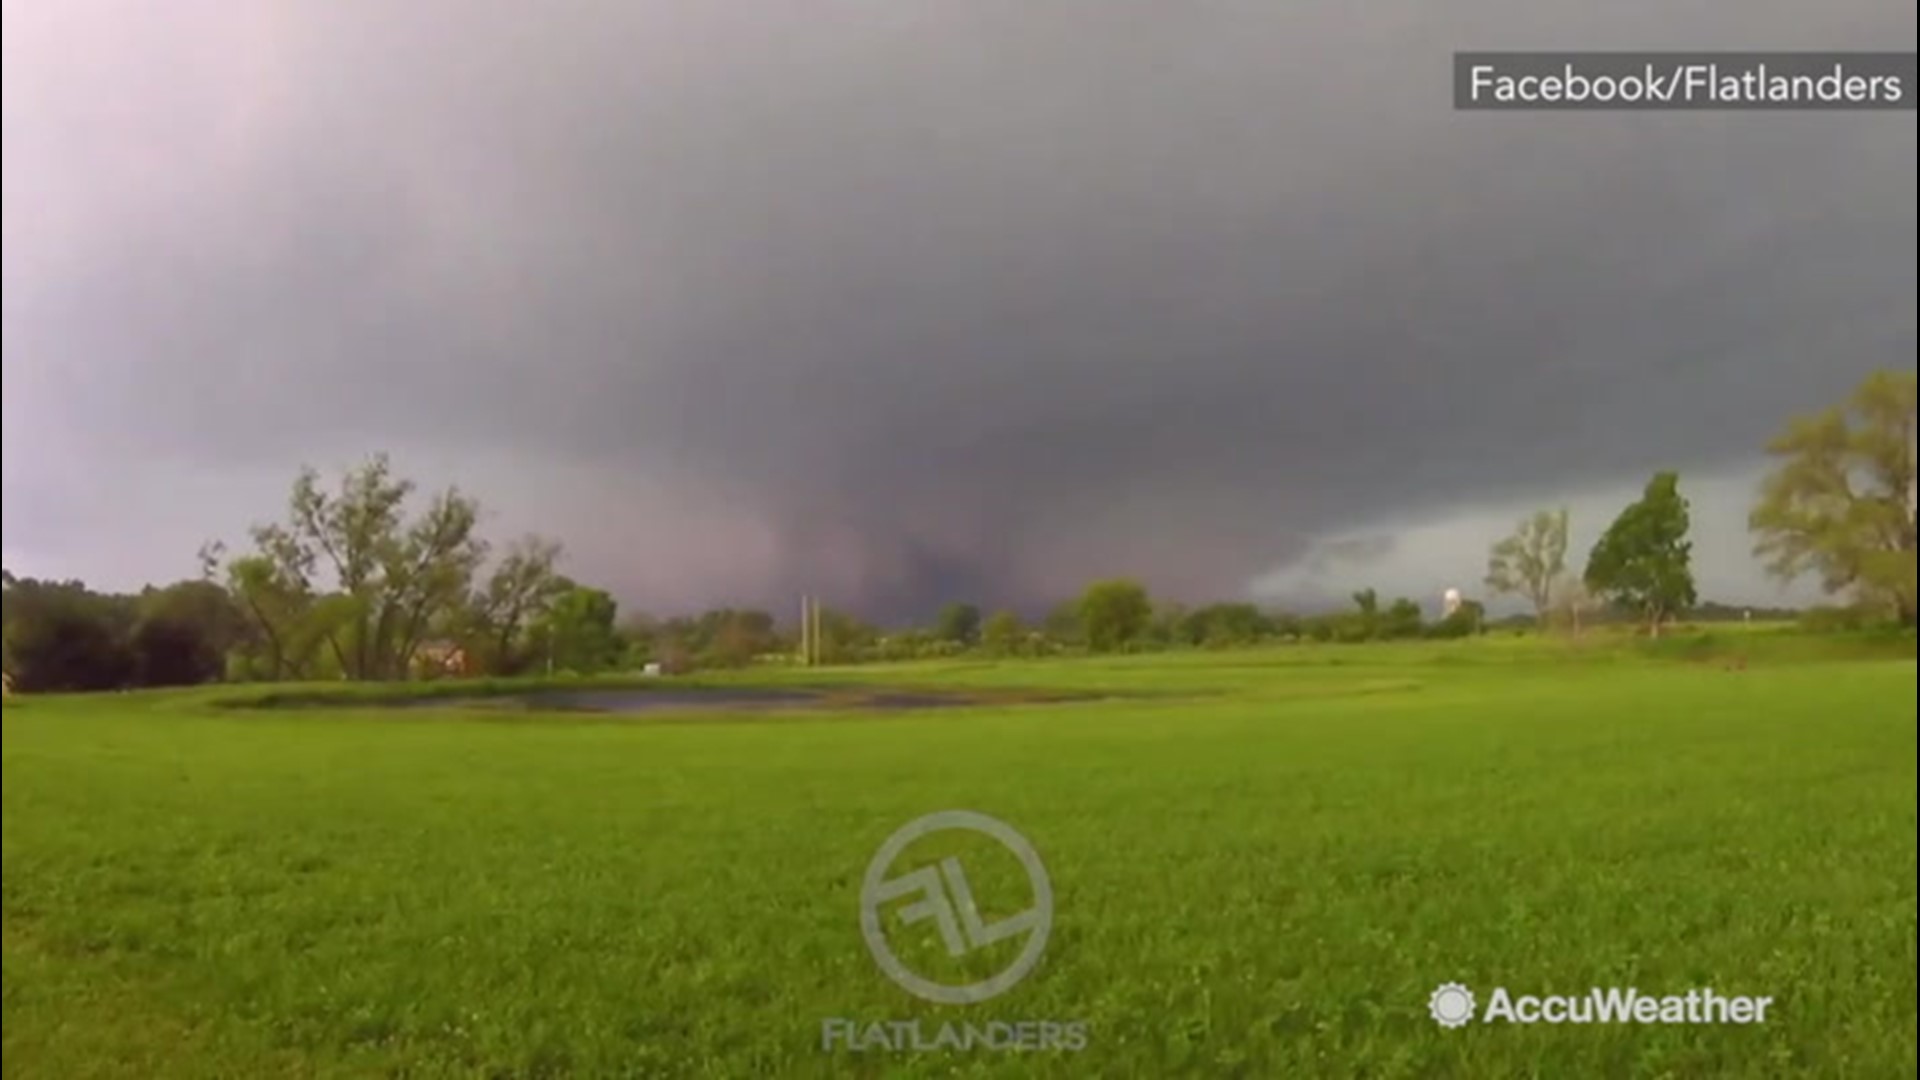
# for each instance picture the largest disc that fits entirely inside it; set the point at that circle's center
(1839, 505)
(350, 584)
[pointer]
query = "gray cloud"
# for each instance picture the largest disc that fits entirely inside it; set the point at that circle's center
(1422, 558)
(949, 300)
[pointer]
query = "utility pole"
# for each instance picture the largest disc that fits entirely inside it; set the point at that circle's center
(806, 631)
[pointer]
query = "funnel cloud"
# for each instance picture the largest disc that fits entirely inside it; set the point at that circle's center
(906, 303)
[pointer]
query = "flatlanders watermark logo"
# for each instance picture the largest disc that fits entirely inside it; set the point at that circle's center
(908, 1035)
(1452, 1006)
(956, 908)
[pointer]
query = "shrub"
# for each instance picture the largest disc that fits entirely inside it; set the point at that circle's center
(1829, 619)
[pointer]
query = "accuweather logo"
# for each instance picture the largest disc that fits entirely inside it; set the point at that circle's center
(938, 896)
(1452, 1005)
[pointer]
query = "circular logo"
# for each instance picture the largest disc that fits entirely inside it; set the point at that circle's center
(1451, 1005)
(941, 895)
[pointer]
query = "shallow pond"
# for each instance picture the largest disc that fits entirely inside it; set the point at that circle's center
(731, 698)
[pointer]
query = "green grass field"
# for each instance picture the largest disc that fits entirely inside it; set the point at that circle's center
(1263, 871)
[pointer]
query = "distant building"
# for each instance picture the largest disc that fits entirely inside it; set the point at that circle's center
(441, 658)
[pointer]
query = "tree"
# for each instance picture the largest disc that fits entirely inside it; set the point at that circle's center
(1403, 619)
(1464, 621)
(641, 632)
(1364, 623)
(184, 633)
(1175, 625)
(1530, 561)
(734, 638)
(1324, 628)
(1114, 614)
(1571, 602)
(1841, 502)
(1003, 634)
(958, 623)
(1223, 626)
(202, 603)
(1643, 561)
(62, 636)
(721, 637)
(518, 590)
(844, 638)
(275, 611)
(577, 634)
(168, 650)
(1065, 625)
(913, 644)
(393, 577)
(70, 649)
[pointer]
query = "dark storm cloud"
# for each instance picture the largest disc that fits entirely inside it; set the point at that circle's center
(914, 301)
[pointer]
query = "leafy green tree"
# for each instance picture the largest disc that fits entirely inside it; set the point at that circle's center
(1528, 562)
(168, 650)
(70, 649)
(1173, 626)
(1466, 620)
(1223, 626)
(201, 603)
(1364, 623)
(845, 638)
(1323, 628)
(916, 644)
(396, 577)
(61, 636)
(673, 644)
(641, 633)
(958, 623)
(274, 612)
(721, 637)
(1004, 634)
(184, 633)
(1841, 502)
(577, 631)
(733, 638)
(1644, 560)
(519, 589)
(1114, 614)
(1064, 625)
(1402, 619)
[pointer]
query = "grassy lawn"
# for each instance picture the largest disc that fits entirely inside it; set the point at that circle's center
(1262, 872)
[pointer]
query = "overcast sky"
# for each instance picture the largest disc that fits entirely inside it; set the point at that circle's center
(914, 301)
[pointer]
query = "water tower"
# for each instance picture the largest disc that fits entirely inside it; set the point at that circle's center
(1449, 603)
